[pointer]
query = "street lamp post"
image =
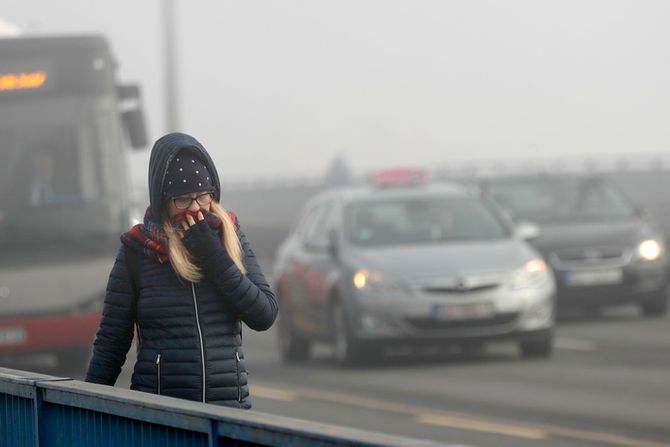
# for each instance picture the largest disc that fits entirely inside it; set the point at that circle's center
(171, 69)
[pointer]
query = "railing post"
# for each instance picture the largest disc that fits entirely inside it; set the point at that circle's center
(37, 414)
(214, 433)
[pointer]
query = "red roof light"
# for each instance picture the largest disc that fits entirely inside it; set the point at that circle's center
(399, 177)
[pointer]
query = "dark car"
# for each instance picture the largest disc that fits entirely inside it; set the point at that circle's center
(377, 267)
(602, 248)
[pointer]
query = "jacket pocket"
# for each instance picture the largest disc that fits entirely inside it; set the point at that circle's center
(239, 381)
(158, 374)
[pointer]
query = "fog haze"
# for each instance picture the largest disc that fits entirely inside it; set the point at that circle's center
(540, 322)
(280, 88)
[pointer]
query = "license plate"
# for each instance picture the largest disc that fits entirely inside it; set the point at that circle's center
(464, 311)
(12, 336)
(594, 277)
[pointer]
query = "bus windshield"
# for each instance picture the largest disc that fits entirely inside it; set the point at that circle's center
(60, 174)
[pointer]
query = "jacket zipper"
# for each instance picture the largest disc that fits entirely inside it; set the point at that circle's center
(202, 347)
(158, 372)
(239, 383)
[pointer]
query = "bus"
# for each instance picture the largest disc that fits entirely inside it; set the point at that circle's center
(66, 129)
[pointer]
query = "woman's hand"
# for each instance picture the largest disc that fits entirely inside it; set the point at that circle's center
(188, 222)
(201, 240)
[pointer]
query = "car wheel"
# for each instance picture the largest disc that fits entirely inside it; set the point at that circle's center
(655, 307)
(536, 347)
(347, 350)
(294, 348)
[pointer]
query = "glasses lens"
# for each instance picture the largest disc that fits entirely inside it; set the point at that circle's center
(182, 202)
(185, 201)
(204, 199)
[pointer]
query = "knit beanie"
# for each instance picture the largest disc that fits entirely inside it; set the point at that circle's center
(186, 173)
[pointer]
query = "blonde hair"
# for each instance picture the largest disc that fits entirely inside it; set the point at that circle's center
(181, 259)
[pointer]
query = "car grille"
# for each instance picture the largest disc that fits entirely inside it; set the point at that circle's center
(462, 289)
(588, 257)
(432, 323)
(461, 284)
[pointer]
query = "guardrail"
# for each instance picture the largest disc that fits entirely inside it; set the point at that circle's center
(40, 410)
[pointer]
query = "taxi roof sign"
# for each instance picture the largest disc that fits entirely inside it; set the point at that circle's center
(399, 177)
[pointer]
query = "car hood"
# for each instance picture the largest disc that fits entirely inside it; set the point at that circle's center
(590, 234)
(452, 259)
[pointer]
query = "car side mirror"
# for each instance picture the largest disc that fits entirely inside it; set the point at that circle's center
(132, 114)
(527, 231)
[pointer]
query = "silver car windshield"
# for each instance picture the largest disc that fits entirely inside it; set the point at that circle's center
(421, 221)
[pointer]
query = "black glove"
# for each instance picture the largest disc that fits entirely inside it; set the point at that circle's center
(203, 241)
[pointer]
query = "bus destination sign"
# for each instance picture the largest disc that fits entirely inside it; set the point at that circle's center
(31, 80)
(18, 77)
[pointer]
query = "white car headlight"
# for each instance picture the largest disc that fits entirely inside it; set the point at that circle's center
(375, 282)
(533, 274)
(649, 250)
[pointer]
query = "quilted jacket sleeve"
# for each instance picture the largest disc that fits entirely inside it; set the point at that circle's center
(247, 296)
(115, 333)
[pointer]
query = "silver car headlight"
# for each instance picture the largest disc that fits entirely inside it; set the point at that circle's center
(649, 250)
(376, 282)
(532, 275)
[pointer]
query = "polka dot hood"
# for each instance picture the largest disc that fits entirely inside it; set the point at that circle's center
(179, 164)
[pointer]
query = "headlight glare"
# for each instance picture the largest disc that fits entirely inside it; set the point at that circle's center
(532, 274)
(649, 250)
(375, 282)
(360, 278)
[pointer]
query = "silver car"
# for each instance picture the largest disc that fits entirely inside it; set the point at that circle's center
(377, 267)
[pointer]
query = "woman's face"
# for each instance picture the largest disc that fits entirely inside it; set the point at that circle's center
(174, 205)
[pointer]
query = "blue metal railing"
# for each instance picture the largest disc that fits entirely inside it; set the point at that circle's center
(43, 411)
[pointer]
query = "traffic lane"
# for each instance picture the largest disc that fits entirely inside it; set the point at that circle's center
(427, 423)
(621, 336)
(375, 416)
(624, 396)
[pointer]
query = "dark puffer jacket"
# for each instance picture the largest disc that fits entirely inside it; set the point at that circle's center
(189, 333)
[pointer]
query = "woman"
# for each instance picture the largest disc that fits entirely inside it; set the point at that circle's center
(188, 279)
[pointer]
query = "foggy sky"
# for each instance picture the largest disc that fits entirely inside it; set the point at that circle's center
(277, 88)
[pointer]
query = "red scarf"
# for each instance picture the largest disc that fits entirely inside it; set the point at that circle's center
(150, 238)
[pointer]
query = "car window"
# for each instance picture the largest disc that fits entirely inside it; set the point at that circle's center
(601, 199)
(424, 220)
(308, 220)
(550, 200)
(316, 233)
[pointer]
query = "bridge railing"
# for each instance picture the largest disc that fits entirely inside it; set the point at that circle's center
(40, 410)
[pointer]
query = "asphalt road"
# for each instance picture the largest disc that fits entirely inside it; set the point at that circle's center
(607, 384)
